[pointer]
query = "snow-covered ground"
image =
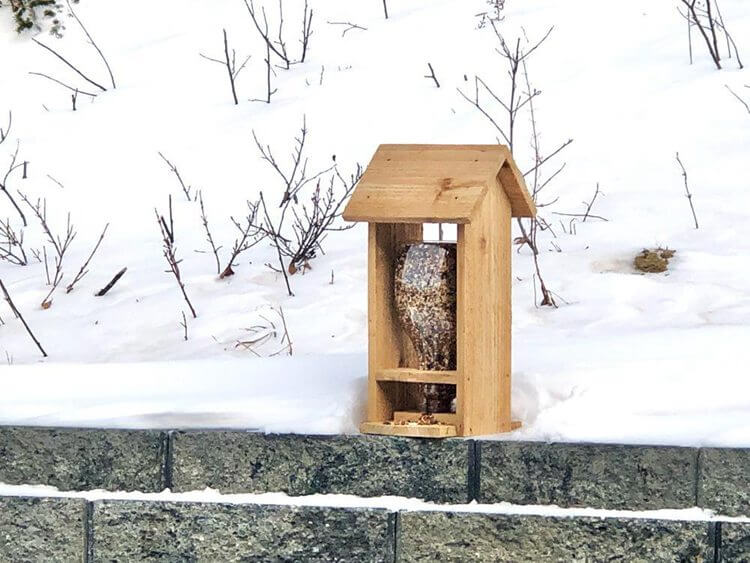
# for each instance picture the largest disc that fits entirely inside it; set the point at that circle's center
(626, 357)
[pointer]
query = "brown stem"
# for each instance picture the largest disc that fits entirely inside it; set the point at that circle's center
(18, 315)
(102, 292)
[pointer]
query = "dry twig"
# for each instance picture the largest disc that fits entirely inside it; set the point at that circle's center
(250, 235)
(432, 75)
(83, 271)
(265, 331)
(231, 65)
(743, 102)
(349, 26)
(70, 65)
(93, 43)
(12, 167)
(688, 195)
(209, 238)
(172, 168)
(59, 244)
(19, 316)
(169, 252)
(103, 291)
(184, 325)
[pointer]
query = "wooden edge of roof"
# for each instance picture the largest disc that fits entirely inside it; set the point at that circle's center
(505, 172)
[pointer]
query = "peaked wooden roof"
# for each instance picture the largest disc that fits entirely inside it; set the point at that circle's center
(436, 183)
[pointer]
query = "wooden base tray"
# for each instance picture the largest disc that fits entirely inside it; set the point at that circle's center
(411, 430)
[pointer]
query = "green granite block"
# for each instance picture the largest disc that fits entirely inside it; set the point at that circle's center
(724, 481)
(587, 475)
(236, 462)
(73, 459)
(445, 536)
(42, 529)
(187, 531)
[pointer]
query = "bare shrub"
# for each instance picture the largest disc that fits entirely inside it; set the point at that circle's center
(230, 63)
(74, 88)
(60, 244)
(278, 44)
(503, 112)
(305, 216)
(249, 235)
(169, 252)
(706, 16)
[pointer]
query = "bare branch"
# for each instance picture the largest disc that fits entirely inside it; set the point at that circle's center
(549, 156)
(71, 88)
(83, 271)
(306, 31)
(69, 64)
(5, 132)
(13, 166)
(60, 244)
(231, 65)
(12, 245)
(209, 238)
(183, 324)
(349, 26)
(103, 291)
(278, 51)
(172, 168)
(275, 238)
(91, 40)
(169, 252)
(590, 204)
(743, 102)
(250, 235)
(18, 315)
(688, 195)
(690, 4)
(266, 330)
(432, 75)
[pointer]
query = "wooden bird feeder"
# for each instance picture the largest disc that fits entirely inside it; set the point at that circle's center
(479, 188)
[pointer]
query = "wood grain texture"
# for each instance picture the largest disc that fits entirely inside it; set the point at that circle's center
(411, 375)
(436, 183)
(481, 189)
(420, 431)
(386, 347)
(444, 417)
(483, 316)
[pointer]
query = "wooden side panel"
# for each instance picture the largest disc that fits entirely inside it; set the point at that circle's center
(483, 309)
(385, 346)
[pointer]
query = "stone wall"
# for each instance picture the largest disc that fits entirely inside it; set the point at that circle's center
(450, 471)
(65, 530)
(446, 472)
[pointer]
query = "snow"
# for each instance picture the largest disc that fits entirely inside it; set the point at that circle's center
(391, 503)
(629, 358)
(189, 394)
